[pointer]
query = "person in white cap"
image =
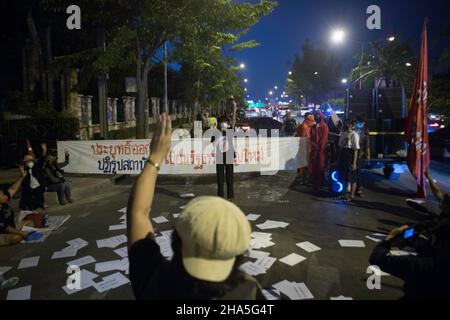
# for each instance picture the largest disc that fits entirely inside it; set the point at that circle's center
(210, 237)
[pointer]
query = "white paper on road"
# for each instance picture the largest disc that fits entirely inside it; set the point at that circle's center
(65, 253)
(117, 227)
(253, 217)
(373, 239)
(86, 281)
(308, 246)
(123, 217)
(111, 282)
(160, 219)
(263, 235)
(176, 215)
(77, 243)
(287, 288)
(252, 269)
(28, 262)
(255, 254)
(341, 297)
(122, 252)
(400, 253)
(165, 245)
(377, 271)
(352, 243)
(82, 261)
(123, 210)
(187, 195)
(182, 207)
(4, 269)
(271, 224)
(265, 262)
(112, 242)
(167, 233)
(271, 294)
(292, 259)
(260, 243)
(106, 266)
(23, 293)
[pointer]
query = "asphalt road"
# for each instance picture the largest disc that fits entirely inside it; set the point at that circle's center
(330, 272)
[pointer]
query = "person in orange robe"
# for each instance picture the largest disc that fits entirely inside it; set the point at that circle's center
(304, 131)
(319, 141)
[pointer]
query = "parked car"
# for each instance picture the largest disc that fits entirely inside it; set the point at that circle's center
(259, 123)
(440, 143)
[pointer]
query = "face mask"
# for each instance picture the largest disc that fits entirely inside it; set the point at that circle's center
(30, 165)
(224, 125)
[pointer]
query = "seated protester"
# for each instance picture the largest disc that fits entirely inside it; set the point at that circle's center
(425, 275)
(55, 177)
(10, 231)
(348, 157)
(33, 185)
(210, 237)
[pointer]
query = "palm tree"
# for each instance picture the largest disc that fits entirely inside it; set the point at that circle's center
(392, 62)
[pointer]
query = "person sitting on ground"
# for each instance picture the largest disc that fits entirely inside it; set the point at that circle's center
(210, 237)
(11, 231)
(33, 185)
(426, 274)
(55, 177)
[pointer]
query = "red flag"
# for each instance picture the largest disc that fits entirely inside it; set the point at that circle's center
(416, 133)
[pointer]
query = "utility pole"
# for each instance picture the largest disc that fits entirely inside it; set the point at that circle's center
(102, 88)
(166, 101)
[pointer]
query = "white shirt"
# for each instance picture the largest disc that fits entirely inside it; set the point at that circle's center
(34, 183)
(349, 140)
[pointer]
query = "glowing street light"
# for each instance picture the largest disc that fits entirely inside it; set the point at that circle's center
(245, 80)
(337, 36)
(344, 81)
(242, 66)
(270, 92)
(391, 39)
(245, 89)
(276, 88)
(290, 73)
(408, 64)
(316, 73)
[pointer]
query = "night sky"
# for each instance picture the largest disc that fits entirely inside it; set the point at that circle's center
(282, 33)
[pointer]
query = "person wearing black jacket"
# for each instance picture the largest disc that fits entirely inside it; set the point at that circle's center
(56, 180)
(426, 275)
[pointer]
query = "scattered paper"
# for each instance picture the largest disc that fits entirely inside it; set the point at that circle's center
(265, 235)
(341, 297)
(254, 254)
(106, 266)
(23, 293)
(123, 217)
(112, 242)
(308, 246)
(117, 227)
(252, 269)
(271, 224)
(373, 239)
(111, 282)
(293, 290)
(165, 245)
(176, 215)
(28, 262)
(187, 195)
(4, 270)
(265, 262)
(160, 219)
(253, 217)
(123, 210)
(261, 240)
(86, 280)
(122, 252)
(65, 253)
(82, 261)
(182, 207)
(77, 243)
(292, 259)
(271, 294)
(377, 271)
(400, 253)
(352, 243)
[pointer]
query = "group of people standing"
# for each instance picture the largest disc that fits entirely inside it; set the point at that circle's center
(346, 146)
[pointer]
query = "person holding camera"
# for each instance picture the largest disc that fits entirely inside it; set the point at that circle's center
(426, 275)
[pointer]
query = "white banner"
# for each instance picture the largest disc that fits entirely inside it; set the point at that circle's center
(187, 156)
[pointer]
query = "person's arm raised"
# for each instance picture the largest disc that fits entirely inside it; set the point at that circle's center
(16, 185)
(141, 198)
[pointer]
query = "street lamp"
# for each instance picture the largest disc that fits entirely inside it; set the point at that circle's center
(391, 39)
(408, 64)
(242, 66)
(316, 73)
(344, 81)
(290, 73)
(270, 92)
(276, 87)
(337, 36)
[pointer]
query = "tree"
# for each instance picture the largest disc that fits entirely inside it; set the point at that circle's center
(391, 62)
(315, 74)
